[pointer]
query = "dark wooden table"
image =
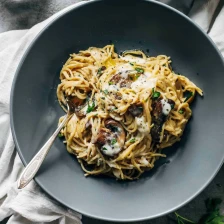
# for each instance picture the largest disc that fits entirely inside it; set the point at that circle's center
(23, 14)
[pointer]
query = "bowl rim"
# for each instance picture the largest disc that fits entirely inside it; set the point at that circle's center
(58, 15)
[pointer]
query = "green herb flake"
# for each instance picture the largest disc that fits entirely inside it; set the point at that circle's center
(181, 111)
(132, 140)
(111, 83)
(90, 107)
(105, 91)
(103, 98)
(113, 141)
(139, 70)
(155, 94)
(60, 135)
(99, 72)
(131, 63)
(104, 148)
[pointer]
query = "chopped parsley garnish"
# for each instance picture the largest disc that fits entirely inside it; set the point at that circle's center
(188, 95)
(60, 135)
(111, 83)
(155, 94)
(104, 148)
(90, 107)
(181, 111)
(139, 70)
(100, 70)
(132, 140)
(113, 141)
(131, 63)
(105, 91)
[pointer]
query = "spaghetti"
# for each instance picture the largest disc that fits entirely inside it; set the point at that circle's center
(127, 109)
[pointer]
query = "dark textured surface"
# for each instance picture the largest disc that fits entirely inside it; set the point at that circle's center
(19, 14)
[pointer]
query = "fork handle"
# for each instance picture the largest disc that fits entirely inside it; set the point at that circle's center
(31, 169)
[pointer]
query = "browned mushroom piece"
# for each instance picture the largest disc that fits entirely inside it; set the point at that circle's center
(103, 136)
(136, 110)
(172, 103)
(117, 130)
(126, 83)
(111, 139)
(76, 104)
(123, 82)
(158, 118)
(116, 79)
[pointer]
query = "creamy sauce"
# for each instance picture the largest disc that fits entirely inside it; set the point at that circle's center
(112, 88)
(143, 126)
(166, 107)
(148, 74)
(143, 82)
(125, 69)
(111, 150)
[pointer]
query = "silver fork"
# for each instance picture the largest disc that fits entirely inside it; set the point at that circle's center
(33, 166)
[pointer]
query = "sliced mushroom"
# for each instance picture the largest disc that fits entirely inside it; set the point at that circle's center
(103, 136)
(158, 118)
(117, 129)
(126, 83)
(77, 105)
(124, 79)
(111, 138)
(116, 79)
(136, 110)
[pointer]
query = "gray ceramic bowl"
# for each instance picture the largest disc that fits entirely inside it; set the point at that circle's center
(190, 165)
